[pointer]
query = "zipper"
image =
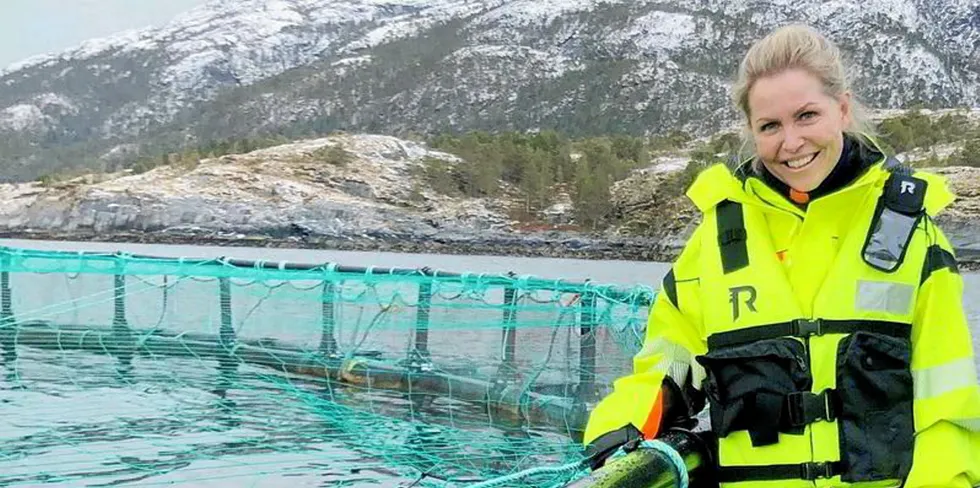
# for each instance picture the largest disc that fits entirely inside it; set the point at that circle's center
(806, 353)
(804, 362)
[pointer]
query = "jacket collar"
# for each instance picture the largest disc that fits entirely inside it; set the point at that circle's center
(718, 183)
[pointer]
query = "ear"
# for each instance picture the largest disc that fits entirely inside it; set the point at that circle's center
(844, 100)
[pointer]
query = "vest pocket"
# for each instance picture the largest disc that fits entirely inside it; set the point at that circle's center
(874, 385)
(747, 386)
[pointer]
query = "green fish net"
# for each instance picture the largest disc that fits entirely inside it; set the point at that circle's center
(122, 369)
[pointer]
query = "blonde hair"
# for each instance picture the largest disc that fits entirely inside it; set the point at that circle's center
(795, 46)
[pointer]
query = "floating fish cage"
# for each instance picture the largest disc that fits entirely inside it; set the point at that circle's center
(122, 368)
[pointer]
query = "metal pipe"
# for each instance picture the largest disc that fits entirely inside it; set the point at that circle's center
(226, 334)
(512, 403)
(7, 320)
(121, 339)
(587, 362)
(649, 468)
(328, 343)
(509, 338)
(420, 352)
(200, 265)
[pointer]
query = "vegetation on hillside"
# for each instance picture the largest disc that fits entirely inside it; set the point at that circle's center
(534, 165)
(533, 168)
(914, 131)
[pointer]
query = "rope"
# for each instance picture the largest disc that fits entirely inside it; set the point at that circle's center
(676, 461)
(680, 468)
(564, 469)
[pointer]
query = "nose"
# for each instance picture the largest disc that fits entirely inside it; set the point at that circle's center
(792, 140)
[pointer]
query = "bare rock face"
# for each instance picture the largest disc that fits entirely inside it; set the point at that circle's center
(653, 204)
(360, 192)
(339, 186)
(961, 220)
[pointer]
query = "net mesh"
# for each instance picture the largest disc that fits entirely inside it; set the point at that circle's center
(216, 372)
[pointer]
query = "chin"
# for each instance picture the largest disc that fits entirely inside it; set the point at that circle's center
(803, 181)
(804, 185)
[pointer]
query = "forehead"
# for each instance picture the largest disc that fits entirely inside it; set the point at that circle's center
(783, 94)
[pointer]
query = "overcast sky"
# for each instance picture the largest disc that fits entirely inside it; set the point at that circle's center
(29, 27)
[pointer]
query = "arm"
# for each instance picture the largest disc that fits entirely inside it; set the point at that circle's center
(947, 398)
(663, 388)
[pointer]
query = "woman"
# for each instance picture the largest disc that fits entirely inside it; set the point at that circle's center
(817, 307)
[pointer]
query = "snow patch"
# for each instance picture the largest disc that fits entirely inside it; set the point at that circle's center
(38, 60)
(661, 31)
(95, 47)
(46, 100)
(389, 32)
(902, 12)
(21, 117)
(352, 61)
(428, 13)
(489, 50)
(37, 113)
(539, 63)
(525, 12)
(190, 73)
(666, 164)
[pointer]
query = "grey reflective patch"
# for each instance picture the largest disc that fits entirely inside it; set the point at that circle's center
(882, 296)
(973, 425)
(938, 380)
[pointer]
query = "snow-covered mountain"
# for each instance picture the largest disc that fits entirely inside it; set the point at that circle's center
(236, 68)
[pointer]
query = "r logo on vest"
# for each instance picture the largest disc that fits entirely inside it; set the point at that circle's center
(733, 297)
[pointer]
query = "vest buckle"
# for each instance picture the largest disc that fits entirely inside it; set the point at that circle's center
(815, 471)
(807, 328)
(803, 407)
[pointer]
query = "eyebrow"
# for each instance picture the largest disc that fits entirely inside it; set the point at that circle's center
(804, 107)
(762, 120)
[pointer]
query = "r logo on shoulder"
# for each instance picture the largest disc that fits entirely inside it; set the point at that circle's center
(905, 194)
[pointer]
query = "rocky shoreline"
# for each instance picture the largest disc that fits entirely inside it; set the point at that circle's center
(570, 247)
(639, 249)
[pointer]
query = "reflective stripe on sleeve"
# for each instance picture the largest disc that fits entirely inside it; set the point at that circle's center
(938, 380)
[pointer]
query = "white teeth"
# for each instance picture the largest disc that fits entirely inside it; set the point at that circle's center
(801, 162)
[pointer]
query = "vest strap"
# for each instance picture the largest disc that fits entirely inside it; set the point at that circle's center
(731, 236)
(805, 471)
(807, 328)
(938, 258)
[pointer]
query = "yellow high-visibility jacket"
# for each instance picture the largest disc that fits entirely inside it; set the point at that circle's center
(830, 343)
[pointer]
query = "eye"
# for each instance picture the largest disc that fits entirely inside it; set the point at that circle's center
(768, 126)
(809, 114)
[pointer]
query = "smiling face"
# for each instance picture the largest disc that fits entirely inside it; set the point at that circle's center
(798, 129)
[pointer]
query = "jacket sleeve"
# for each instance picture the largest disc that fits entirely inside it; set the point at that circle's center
(946, 401)
(673, 336)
